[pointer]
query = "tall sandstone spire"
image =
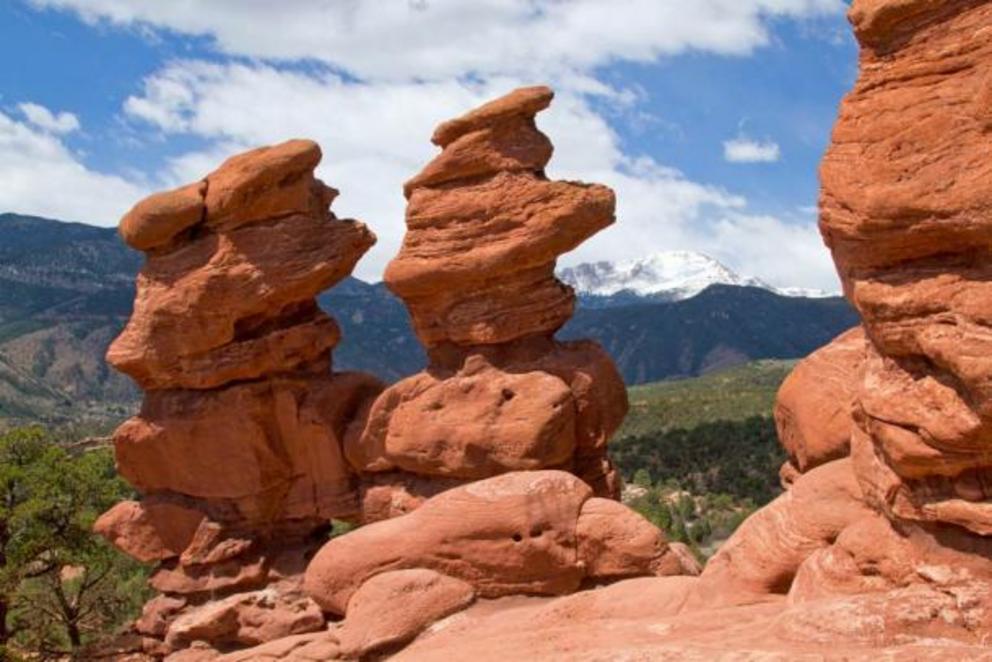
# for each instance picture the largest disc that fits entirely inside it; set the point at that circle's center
(237, 448)
(476, 270)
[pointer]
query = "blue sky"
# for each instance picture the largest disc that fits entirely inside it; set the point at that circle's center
(708, 118)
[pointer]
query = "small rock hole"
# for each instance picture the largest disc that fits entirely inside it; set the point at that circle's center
(517, 537)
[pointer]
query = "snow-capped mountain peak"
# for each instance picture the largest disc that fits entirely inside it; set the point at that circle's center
(671, 275)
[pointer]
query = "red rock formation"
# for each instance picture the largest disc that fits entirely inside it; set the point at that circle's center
(237, 450)
(537, 532)
(906, 211)
(484, 228)
(887, 552)
(813, 407)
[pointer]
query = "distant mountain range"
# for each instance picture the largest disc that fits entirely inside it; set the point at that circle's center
(664, 276)
(66, 290)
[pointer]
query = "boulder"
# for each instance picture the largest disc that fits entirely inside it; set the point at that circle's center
(156, 220)
(392, 608)
(614, 542)
(513, 533)
(814, 403)
(149, 531)
(517, 533)
(477, 423)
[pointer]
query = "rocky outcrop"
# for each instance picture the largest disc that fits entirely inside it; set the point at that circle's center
(476, 270)
(882, 545)
(482, 480)
(533, 533)
(248, 444)
(906, 207)
(237, 449)
(813, 406)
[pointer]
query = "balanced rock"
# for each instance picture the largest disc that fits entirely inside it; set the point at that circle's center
(232, 300)
(485, 227)
(477, 262)
(238, 447)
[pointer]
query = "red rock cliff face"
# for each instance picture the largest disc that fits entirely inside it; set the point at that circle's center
(907, 212)
(476, 269)
(237, 448)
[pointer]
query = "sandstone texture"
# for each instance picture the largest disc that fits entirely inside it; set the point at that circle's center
(905, 210)
(535, 532)
(881, 547)
(485, 475)
(814, 405)
(238, 447)
(392, 608)
(485, 227)
(482, 485)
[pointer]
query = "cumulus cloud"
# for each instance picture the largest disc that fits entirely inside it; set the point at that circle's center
(436, 39)
(46, 120)
(375, 136)
(370, 80)
(39, 175)
(746, 150)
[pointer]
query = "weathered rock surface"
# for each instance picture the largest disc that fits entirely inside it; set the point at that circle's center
(906, 211)
(278, 440)
(881, 547)
(514, 533)
(238, 447)
(886, 553)
(813, 407)
(149, 531)
(484, 227)
(476, 270)
(246, 619)
(392, 608)
(476, 423)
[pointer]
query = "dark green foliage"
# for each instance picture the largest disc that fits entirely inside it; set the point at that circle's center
(739, 458)
(703, 453)
(79, 280)
(61, 587)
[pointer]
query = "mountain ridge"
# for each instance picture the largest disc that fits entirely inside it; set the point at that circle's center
(664, 275)
(66, 291)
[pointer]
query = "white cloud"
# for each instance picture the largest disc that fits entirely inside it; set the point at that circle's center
(388, 72)
(46, 120)
(746, 150)
(782, 253)
(39, 175)
(376, 135)
(438, 39)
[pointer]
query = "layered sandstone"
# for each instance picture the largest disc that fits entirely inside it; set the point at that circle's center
(489, 545)
(469, 477)
(906, 212)
(813, 408)
(882, 544)
(476, 270)
(237, 449)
